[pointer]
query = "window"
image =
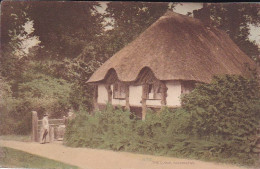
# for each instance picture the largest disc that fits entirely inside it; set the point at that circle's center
(154, 91)
(119, 91)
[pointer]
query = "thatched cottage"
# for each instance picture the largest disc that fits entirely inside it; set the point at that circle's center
(164, 62)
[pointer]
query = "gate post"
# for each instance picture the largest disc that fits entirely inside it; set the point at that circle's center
(34, 126)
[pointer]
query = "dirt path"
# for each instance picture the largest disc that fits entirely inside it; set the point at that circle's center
(104, 159)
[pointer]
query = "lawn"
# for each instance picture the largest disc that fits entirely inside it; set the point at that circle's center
(23, 138)
(15, 158)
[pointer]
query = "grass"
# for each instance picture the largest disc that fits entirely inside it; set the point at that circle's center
(23, 138)
(15, 158)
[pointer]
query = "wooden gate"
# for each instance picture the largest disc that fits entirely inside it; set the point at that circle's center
(56, 130)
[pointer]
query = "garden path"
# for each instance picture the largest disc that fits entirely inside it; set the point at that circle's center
(87, 158)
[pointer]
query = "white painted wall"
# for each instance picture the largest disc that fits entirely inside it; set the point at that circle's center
(153, 102)
(102, 94)
(173, 93)
(135, 95)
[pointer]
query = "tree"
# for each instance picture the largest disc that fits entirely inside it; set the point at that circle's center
(45, 92)
(235, 20)
(18, 42)
(70, 34)
(65, 28)
(128, 20)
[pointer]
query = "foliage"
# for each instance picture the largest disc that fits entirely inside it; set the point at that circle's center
(19, 43)
(16, 158)
(229, 108)
(224, 105)
(11, 122)
(128, 20)
(18, 29)
(5, 92)
(65, 28)
(16, 118)
(71, 44)
(22, 138)
(218, 122)
(235, 19)
(66, 52)
(37, 92)
(46, 92)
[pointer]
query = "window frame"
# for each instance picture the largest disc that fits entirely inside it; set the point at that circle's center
(152, 92)
(119, 91)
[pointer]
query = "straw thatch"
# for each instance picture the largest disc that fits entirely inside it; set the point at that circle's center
(177, 47)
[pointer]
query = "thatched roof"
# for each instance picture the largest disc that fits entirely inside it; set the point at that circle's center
(177, 47)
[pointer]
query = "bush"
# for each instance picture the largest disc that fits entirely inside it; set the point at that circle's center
(41, 93)
(17, 118)
(106, 129)
(217, 122)
(227, 108)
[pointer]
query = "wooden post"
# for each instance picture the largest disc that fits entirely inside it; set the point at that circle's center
(109, 93)
(95, 98)
(34, 126)
(127, 104)
(144, 97)
(163, 95)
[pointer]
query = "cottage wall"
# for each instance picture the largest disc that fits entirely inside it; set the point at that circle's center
(173, 93)
(135, 96)
(153, 103)
(102, 94)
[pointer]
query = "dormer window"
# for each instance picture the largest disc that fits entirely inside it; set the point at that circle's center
(119, 91)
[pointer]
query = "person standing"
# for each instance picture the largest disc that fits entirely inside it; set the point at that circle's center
(45, 125)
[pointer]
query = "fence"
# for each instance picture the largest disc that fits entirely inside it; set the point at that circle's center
(56, 130)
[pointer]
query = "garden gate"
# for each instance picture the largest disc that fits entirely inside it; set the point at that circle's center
(56, 130)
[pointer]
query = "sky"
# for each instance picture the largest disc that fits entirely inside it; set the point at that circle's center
(27, 41)
(184, 8)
